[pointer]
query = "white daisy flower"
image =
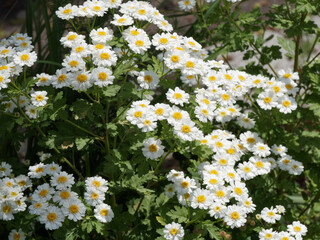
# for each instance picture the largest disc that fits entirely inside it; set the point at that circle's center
(74, 209)
(103, 213)
(94, 197)
(177, 96)
(38, 207)
(62, 180)
(148, 79)
(16, 235)
(37, 171)
(297, 229)
(97, 183)
(235, 216)
(152, 148)
(5, 169)
(25, 58)
(270, 215)
(123, 20)
(173, 231)
(101, 35)
(52, 217)
(39, 98)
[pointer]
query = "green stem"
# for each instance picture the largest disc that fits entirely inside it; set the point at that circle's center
(85, 130)
(72, 24)
(316, 197)
(312, 48)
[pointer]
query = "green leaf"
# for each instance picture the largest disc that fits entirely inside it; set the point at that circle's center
(111, 91)
(179, 214)
(160, 220)
(83, 142)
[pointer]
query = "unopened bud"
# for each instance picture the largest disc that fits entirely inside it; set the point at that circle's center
(252, 223)
(223, 234)
(228, 237)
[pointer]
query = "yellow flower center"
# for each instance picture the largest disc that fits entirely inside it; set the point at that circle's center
(257, 81)
(62, 78)
(102, 76)
(184, 184)
(251, 140)
(104, 212)
(102, 33)
(38, 205)
(227, 76)
(175, 58)
(287, 75)
(43, 192)
(230, 151)
(121, 20)
(159, 111)
(219, 144)
(204, 112)
(4, 51)
(268, 235)
(148, 78)
(223, 162)
(286, 103)
(64, 195)
(134, 32)
(220, 193)
(238, 191)
(213, 171)
(201, 198)
(22, 183)
(177, 95)
(94, 195)
(16, 236)
(82, 78)
(212, 78)
(24, 57)
(104, 56)
(231, 175)
(6, 209)
(297, 229)
(142, 11)
(72, 37)
(247, 169)
(67, 11)
(139, 43)
(225, 96)
(185, 129)
(51, 217)
(73, 63)
(96, 8)
(289, 86)
(189, 64)
(79, 49)
(177, 115)
(242, 78)
(234, 215)
(173, 231)
(138, 114)
(271, 214)
(267, 99)
(39, 98)
(96, 183)
(74, 209)
(99, 46)
(163, 40)
(259, 164)
(276, 89)
(213, 181)
(62, 179)
(153, 148)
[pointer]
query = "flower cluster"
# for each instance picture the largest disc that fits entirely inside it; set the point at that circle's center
(12, 199)
(295, 231)
(54, 200)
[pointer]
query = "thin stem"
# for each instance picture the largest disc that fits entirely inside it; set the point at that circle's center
(316, 197)
(85, 130)
(72, 24)
(312, 48)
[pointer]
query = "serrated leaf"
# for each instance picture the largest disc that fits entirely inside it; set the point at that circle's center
(111, 91)
(82, 142)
